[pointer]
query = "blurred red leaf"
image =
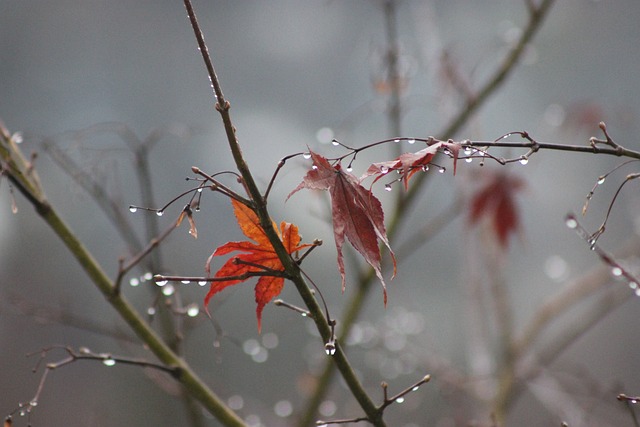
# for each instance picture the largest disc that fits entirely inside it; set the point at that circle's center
(254, 257)
(357, 214)
(495, 200)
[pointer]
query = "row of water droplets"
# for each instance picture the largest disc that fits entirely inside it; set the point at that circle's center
(616, 270)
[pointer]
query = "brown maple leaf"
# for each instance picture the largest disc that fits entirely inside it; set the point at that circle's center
(356, 213)
(255, 257)
(496, 201)
(408, 164)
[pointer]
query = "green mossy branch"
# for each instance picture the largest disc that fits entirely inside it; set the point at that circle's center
(19, 174)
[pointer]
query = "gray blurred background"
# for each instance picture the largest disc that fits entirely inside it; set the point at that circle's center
(291, 69)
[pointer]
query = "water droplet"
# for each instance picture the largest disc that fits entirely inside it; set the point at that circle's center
(601, 180)
(335, 142)
(22, 412)
(109, 361)
(34, 402)
(18, 137)
(634, 401)
(524, 160)
(200, 190)
(151, 311)
(327, 408)
(134, 281)
(349, 169)
(84, 350)
(270, 340)
(442, 169)
(283, 408)
(400, 399)
(161, 283)
(384, 169)
(133, 209)
(616, 271)
(147, 276)
(314, 167)
(235, 402)
(468, 159)
(633, 285)
(396, 140)
(159, 213)
(467, 151)
(330, 348)
(185, 282)
(571, 222)
(168, 290)
(425, 168)
(202, 282)
(193, 310)
(387, 187)
(306, 155)
(416, 388)
(411, 140)
(638, 292)
(303, 314)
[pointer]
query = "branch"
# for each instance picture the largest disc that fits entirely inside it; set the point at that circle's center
(12, 156)
(259, 205)
(355, 304)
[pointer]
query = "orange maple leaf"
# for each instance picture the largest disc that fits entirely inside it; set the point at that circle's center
(258, 257)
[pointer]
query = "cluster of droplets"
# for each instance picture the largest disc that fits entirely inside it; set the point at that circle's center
(137, 281)
(259, 349)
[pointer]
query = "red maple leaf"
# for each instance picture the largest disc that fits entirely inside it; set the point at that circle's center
(496, 202)
(408, 164)
(356, 213)
(254, 257)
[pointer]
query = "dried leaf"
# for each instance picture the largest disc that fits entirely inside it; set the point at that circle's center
(357, 214)
(408, 164)
(192, 223)
(257, 255)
